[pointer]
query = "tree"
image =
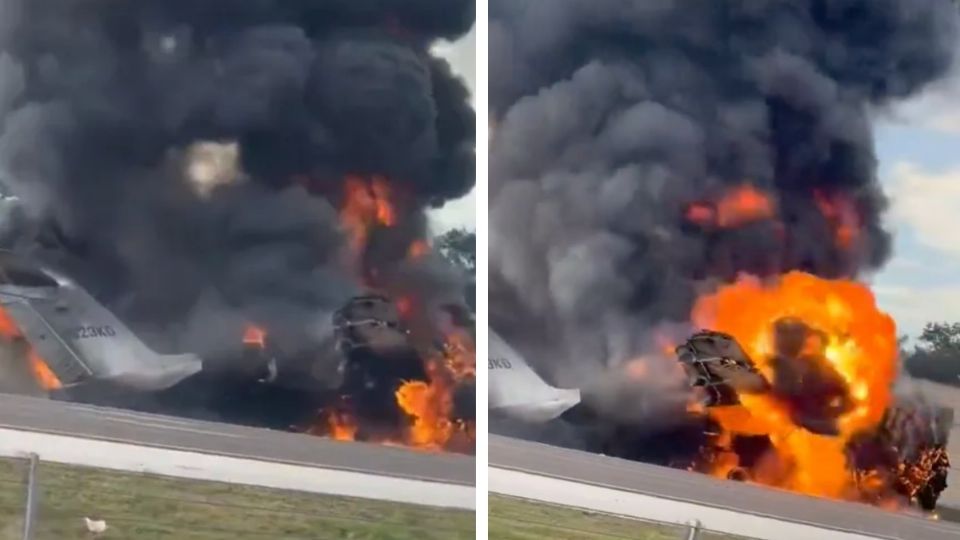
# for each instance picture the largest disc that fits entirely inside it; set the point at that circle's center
(937, 357)
(459, 246)
(942, 338)
(902, 340)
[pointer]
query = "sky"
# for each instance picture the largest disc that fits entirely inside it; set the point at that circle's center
(462, 57)
(918, 148)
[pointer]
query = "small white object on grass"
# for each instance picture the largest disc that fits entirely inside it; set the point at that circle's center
(96, 526)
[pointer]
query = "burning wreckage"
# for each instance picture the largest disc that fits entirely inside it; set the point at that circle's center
(709, 165)
(902, 457)
(57, 340)
(908, 445)
(222, 186)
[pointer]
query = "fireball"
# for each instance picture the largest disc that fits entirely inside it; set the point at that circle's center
(825, 334)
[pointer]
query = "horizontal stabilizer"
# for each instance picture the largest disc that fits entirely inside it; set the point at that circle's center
(166, 372)
(518, 392)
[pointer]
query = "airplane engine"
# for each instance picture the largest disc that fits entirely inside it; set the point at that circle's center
(718, 368)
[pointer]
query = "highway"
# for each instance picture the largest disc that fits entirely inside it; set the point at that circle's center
(631, 477)
(34, 414)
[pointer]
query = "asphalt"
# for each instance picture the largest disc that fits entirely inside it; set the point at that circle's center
(666, 483)
(116, 425)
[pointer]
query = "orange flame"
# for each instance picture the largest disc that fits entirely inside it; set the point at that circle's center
(418, 249)
(254, 336)
(41, 371)
(430, 406)
(386, 215)
(860, 345)
(842, 215)
(367, 204)
(739, 206)
(701, 214)
(460, 355)
(404, 306)
(341, 426)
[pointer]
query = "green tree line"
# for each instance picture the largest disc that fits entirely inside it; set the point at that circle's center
(936, 356)
(459, 247)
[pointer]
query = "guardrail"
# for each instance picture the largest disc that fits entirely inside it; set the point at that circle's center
(46, 501)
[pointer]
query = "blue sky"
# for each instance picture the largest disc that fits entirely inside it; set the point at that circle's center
(918, 147)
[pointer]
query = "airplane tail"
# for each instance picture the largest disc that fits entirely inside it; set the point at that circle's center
(517, 391)
(168, 370)
(78, 339)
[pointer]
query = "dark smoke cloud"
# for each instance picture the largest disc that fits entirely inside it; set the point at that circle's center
(100, 101)
(611, 117)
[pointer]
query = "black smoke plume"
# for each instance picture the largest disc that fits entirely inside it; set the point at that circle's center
(103, 102)
(612, 118)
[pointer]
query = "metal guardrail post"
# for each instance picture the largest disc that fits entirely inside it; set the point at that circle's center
(29, 514)
(693, 530)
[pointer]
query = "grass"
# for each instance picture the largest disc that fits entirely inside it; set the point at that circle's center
(149, 507)
(519, 519)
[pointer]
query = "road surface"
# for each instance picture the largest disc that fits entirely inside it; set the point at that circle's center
(120, 426)
(665, 483)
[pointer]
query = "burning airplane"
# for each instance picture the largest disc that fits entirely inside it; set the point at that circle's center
(683, 166)
(218, 198)
(58, 341)
(899, 460)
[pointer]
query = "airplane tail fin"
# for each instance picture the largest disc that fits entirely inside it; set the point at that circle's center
(517, 391)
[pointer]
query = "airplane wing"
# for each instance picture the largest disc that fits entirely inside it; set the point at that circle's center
(515, 390)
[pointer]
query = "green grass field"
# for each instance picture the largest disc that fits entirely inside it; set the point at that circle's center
(147, 507)
(517, 519)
